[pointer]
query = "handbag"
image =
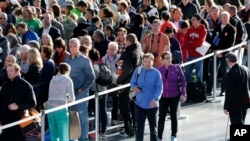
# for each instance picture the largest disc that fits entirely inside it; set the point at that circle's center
(75, 125)
(30, 125)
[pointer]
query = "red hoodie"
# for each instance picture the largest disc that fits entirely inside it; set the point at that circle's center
(193, 39)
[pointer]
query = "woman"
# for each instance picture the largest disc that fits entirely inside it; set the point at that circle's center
(60, 91)
(106, 16)
(69, 25)
(172, 75)
(146, 83)
(14, 44)
(95, 59)
(35, 66)
(161, 6)
(56, 9)
(177, 18)
(205, 11)
(22, 58)
(46, 40)
(61, 52)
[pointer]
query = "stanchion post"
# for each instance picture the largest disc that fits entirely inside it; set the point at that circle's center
(97, 116)
(42, 125)
(248, 55)
(214, 79)
(215, 74)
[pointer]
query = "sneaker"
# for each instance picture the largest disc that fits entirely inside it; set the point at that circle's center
(123, 134)
(173, 138)
(102, 135)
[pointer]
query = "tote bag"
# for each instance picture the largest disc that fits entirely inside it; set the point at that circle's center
(75, 125)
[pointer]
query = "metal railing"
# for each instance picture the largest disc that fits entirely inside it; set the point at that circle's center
(96, 96)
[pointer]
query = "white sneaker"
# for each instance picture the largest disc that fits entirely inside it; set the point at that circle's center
(173, 138)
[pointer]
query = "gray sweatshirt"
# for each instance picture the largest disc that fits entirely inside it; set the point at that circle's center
(60, 87)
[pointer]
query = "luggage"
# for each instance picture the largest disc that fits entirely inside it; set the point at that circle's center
(196, 91)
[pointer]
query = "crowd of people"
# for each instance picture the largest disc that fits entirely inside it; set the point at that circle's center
(50, 52)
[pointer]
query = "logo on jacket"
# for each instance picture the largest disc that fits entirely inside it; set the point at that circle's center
(194, 35)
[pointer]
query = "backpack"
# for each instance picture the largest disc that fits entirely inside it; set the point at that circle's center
(105, 76)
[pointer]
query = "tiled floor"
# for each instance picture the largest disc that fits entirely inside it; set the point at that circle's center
(205, 122)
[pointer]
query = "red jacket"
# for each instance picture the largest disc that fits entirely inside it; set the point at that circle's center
(193, 39)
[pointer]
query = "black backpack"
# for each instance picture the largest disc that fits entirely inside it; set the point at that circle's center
(105, 76)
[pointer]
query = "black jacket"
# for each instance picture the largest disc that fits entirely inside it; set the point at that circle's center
(188, 10)
(18, 91)
(131, 59)
(53, 32)
(227, 37)
(237, 89)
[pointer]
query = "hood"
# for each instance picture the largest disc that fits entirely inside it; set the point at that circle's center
(57, 79)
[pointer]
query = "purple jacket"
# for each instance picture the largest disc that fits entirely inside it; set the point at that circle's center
(170, 85)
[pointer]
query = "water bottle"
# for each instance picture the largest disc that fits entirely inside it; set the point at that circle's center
(119, 70)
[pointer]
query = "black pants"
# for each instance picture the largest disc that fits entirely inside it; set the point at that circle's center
(115, 102)
(127, 109)
(172, 105)
(238, 117)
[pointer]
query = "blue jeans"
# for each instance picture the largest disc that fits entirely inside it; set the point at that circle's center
(198, 66)
(141, 115)
(82, 109)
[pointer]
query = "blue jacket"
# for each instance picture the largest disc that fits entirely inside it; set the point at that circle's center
(151, 86)
(82, 72)
(31, 35)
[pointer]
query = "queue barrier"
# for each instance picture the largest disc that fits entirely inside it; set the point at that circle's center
(96, 97)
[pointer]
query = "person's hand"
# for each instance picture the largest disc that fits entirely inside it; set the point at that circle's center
(13, 106)
(119, 63)
(153, 103)
(80, 90)
(137, 89)
(183, 98)
(219, 55)
(226, 112)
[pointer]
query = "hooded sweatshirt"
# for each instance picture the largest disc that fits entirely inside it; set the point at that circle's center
(60, 87)
(193, 39)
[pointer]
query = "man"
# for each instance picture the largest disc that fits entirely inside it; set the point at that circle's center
(120, 39)
(48, 28)
(100, 42)
(16, 96)
(227, 39)
(188, 9)
(82, 75)
(58, 25)
(129, 60)
(148, 8)
(28, 17)
(4, 22)
(26, 34)
(113, 8)
(193, 39)
(4, 47)
(237, 99)
(79, 9)
(124, 19)
(156, 42)
(95, 24)
(237, 23)
(148, 87)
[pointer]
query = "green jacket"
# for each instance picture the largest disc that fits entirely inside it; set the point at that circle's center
(33, 24)
(77, 12)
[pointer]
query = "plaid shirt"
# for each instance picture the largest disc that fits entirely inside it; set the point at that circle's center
(121, 48)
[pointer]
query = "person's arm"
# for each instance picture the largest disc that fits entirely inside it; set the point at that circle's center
(89, 75)
(127, 68)
(158, 86)
(230, 89)
(70, 89)
(30, 99)
(183, 81)
(133, 81)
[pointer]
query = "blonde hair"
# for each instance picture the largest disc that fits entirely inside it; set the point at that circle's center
(50, 44)
(160, 3)
(34, 57)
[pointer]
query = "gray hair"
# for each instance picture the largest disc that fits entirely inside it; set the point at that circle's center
(12, 38)
(113, 44)
(34, 44)
(99, 33)
(75, 41)
(231, 57)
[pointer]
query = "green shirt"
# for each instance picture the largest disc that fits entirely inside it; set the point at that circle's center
(77, 12)
(33, 24)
